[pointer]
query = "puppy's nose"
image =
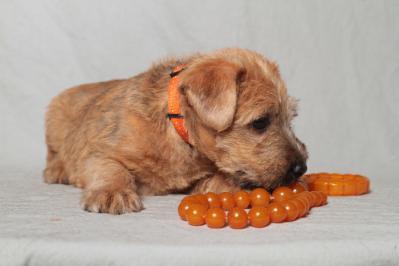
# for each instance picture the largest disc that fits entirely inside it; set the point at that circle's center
(298, 169)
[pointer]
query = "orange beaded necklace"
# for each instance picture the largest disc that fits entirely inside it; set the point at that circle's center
(286, 204)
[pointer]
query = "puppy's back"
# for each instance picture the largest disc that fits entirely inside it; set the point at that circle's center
(67, 110)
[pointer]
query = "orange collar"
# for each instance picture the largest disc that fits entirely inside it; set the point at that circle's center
(174, 103)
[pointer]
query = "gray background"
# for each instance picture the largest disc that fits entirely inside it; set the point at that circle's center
(341, 58)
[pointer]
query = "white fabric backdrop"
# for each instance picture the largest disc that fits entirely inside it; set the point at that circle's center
(341, 58)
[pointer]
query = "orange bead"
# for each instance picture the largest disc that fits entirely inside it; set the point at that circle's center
(184, 206)
(227, 200)
(196, 213)
(297, 187)
(318, 198)
(258, 216)
(282, 194)
(309, 196)
(315, 199)
(213, 200)
(320, 183)
(336, 187)
(324, 197)
(201, 199)
(362, 184)
(215, 218)
(242, 199)
(292, 210)
(305, 203)
(259, 197)
(300, 206)
(188, 198)
(237, 218)
(277, 212)
(350, 187)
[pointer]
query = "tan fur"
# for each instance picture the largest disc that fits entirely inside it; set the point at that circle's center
(114, 140)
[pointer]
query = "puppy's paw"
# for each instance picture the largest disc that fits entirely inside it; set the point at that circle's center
(55, 174)
(111, 201)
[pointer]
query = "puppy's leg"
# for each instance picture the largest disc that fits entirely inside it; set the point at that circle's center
(110, 188)
(216, 183)
(54, 171)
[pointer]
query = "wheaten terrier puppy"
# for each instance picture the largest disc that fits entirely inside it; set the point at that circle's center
(218, 122)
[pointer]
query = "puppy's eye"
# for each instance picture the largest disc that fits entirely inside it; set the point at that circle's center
(261, 124)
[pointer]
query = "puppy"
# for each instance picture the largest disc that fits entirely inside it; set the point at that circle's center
(119, 140)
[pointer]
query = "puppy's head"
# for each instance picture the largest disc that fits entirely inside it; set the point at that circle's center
(238, 113)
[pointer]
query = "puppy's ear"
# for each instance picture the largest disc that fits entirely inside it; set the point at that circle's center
(211, 88)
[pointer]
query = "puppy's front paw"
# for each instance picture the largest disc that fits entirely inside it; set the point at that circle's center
(111, 201)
